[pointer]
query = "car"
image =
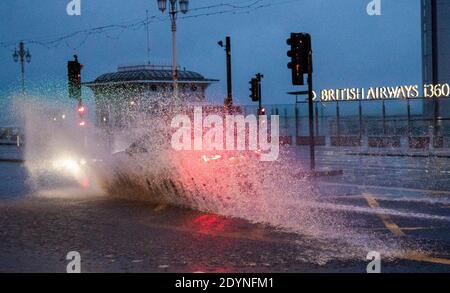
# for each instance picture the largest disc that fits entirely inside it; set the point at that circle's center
(182, 178)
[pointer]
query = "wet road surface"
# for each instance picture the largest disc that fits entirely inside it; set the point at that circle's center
(404, 201)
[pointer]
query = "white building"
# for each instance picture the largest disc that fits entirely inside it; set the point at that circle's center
(132, 90)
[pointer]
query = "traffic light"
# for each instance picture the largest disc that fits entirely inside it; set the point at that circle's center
(255, 96)
(300, 56)
(74, 76)
(81, 110)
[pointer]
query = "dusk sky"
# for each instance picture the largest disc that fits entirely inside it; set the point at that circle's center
(351, 48)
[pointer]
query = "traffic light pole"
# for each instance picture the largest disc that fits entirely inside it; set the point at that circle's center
(311, 116)
(259, 77)
(259, 107)
(301, 63)
(229, 100)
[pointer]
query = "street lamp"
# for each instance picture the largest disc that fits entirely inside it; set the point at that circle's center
(23, 55)
(15, 56)
(184, 7)
(28, 56)
(162, 5)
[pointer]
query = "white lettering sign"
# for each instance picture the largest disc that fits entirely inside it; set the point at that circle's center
(381, 93)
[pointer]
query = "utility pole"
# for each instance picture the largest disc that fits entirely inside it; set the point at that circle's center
(22, 55)
(229, 100)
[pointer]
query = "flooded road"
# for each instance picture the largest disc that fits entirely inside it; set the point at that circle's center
(397, 206)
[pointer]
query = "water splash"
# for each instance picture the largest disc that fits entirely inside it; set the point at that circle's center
(57, 151)
(231, 184)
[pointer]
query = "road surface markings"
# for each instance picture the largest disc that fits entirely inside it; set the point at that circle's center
(433, 192)
(421, 257)
(417, 228)
(387, 221)
(413, 255)
(403, 228)
(257, 235)
(160, 207)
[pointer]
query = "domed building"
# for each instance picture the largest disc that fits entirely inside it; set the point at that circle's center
(120, 95)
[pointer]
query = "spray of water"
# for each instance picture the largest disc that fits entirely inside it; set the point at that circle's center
(57, 151)
(144, 167)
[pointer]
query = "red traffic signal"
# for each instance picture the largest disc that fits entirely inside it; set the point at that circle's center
(81, 110)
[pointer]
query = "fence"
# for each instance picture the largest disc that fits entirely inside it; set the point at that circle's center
(11, 136)
(336, 121)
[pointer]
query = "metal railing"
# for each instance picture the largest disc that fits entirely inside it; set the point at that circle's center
(11, 136)
(294, 122)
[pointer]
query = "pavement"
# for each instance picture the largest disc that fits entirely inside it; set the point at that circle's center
(399, 206)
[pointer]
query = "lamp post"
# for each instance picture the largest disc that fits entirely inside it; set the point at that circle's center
(174, 9)
(22, 55)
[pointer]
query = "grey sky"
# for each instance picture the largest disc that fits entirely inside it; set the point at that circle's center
(350, 48)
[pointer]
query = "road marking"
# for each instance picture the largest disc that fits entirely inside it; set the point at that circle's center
(387, 221)
(413, 255)
(160, 207)
(434, 192)
(417, 256)
(403, 228)
(416, 228)
(257, 235)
